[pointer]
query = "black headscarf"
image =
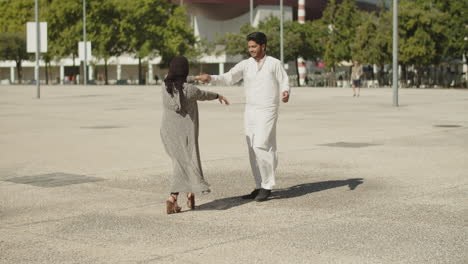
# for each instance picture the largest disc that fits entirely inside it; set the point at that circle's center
(177, 75)
(175, 79)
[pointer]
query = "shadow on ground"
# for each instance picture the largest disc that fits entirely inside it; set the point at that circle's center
(285, 193)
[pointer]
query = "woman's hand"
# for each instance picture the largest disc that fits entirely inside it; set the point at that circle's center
(222, 99)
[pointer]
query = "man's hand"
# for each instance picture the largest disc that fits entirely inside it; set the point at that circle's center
(285, 98)
(204, 78)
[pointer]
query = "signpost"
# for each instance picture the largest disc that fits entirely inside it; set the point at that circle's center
(85, 60)
(84, 53)
(36, 38)
(395, 52)
(251, 13)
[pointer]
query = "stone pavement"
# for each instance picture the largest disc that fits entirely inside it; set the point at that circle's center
(84, 178)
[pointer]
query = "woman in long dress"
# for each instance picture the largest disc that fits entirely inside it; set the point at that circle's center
(179, 133)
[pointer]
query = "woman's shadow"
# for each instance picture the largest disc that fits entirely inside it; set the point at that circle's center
(285, 193)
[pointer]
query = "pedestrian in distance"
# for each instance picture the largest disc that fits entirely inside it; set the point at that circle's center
(356, 74)
(179, 133)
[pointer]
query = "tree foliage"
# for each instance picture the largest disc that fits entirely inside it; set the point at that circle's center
(429, 31)
(456, 23)
(65, 27)
(103, 25)
(340, 21)
(178, 36)
(300, 39)
(373, 42)
(422, 34)
(14, 14)
(154, 27)
(13, 47)
(13, 17)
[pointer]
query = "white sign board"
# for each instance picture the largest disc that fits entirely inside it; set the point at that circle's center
(31, 36)
(81, 50)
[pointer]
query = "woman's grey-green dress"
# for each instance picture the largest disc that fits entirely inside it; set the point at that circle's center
(179, 134)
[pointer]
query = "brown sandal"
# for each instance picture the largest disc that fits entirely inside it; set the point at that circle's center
(172, 207)
(191, 201)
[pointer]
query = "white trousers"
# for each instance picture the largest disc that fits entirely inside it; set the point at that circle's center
(263, 163)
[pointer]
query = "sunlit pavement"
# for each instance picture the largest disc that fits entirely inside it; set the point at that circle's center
(84, 178)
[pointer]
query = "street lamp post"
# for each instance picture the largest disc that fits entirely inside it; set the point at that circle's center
(251, 12)
(85, 61)
(38, 48)
(395, 52)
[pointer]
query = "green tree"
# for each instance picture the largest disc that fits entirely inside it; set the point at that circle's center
(13, 47)
(373, 43)
(300, 40)
(144, 25)
(422, 36)
(178, 37)
(347, 20)
(13, 17)
(457, 11)
(202, 47)
(14, 14)
(146, 28)
(235, 43)
(329, 37)
(47, 58)
(65, 28)
(104, 32)
(340, 21)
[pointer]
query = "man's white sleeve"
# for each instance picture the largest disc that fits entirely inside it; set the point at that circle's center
(282, 78)
(231, 77)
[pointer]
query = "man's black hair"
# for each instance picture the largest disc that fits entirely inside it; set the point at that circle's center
(259, 37)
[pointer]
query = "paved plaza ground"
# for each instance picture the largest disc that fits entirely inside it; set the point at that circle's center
(84, 178)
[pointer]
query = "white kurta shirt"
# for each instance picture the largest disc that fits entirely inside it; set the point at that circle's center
(264, 83)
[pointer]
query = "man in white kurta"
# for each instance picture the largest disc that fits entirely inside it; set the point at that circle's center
(265, 80)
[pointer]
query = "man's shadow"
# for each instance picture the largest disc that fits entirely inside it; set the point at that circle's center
(285, 193)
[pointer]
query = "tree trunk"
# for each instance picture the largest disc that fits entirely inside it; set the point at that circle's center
(404, 77)
(380, 75)
(74, 76)
(140, 80)
(297, 72)
(106, 82)
(332, 81)
(19, 70)
(419, 76)
(46, 73)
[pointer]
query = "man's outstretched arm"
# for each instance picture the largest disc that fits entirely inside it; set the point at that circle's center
(229, 78)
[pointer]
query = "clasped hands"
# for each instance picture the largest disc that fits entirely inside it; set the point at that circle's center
(204, 78)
